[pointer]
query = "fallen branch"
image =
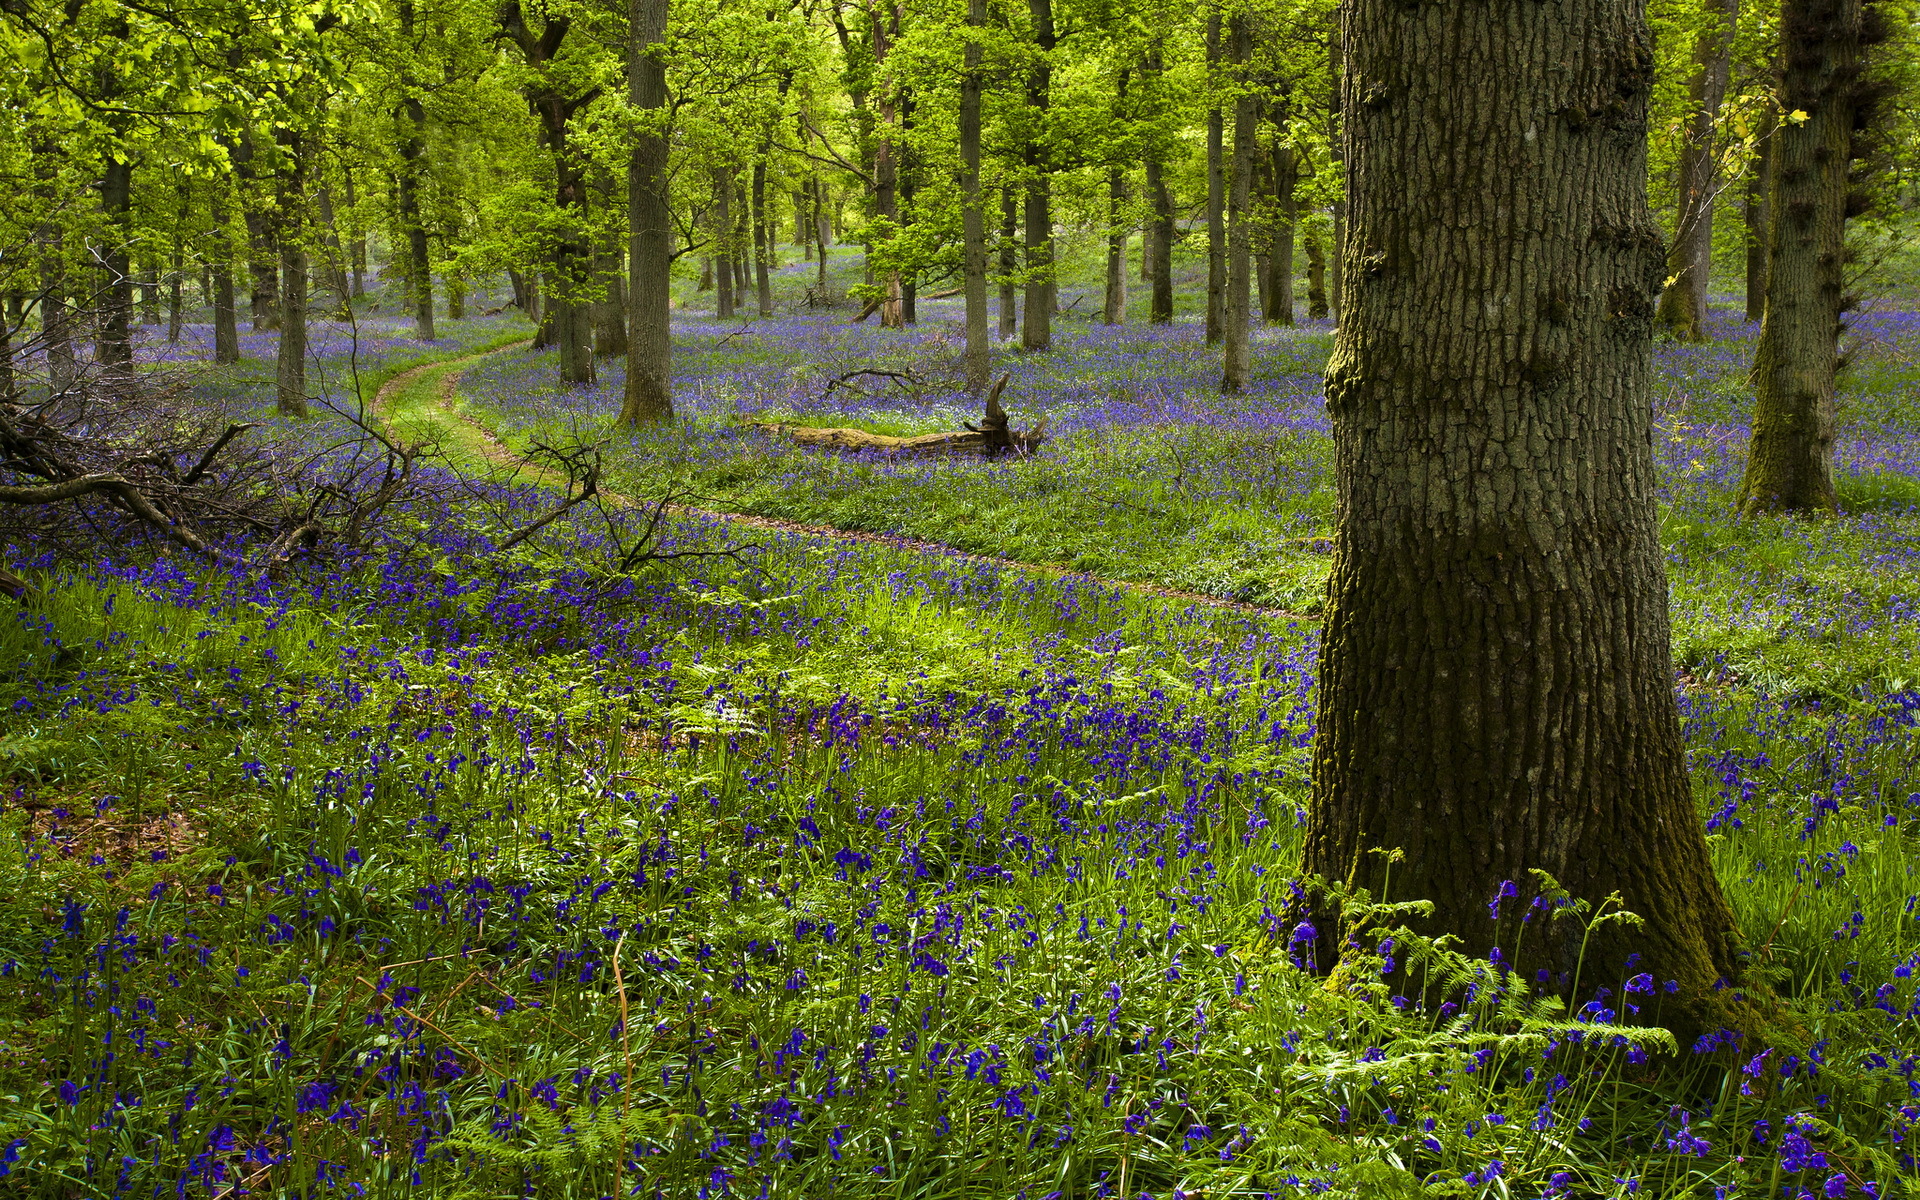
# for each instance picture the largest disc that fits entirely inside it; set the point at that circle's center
(992, 437)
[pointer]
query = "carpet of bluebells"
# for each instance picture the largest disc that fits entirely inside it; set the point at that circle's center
(835, 869)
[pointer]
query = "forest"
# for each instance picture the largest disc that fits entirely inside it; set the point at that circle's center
(1062, 600)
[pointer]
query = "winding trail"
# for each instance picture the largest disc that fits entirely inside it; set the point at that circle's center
(484, 443)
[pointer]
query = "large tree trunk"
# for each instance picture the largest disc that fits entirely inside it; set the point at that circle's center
(1036, 322)
(1216, 191)
(973, 217)
(1495, 691)
(1009, 262)
(1757, 216)
(1790, 461)
(649, 394)
(1235, 357)
(1683, 306)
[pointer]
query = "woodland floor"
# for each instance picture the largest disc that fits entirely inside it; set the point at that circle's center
(932, 845)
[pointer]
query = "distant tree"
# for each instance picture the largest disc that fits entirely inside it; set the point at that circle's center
(1683, 305)
(1827, 97)
(1496, 687)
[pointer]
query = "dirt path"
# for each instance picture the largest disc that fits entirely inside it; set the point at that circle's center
(488, 445)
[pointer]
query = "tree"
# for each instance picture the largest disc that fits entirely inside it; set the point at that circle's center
(1683, 305)
(1495, 682)
(973, 216)
(1795, 364)
(649, 393)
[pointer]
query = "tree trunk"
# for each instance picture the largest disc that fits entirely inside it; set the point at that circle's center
(1114, 311)
(1316, 275)
(263, 297)
(823, 232)
(1158, 248)
(1756, 214)
(886, 171)
(1790, 461)
(762, 241)
(1036, 321)
(1009, 262)
(1235, 358)
(413, 166)
(291, 363)
(1495, 690)
(649, 393)
(1336, 148)
(357, 246)
(226, 325)
(177, 268)
(114, 346)
(1216, 191)
(610, 305)
(723, 246)
(973, 217)
(1279, 310)
(1683, 306)
(336, 267)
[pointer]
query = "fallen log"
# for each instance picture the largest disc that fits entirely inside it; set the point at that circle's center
(992, 437)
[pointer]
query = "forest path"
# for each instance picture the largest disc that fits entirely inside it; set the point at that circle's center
(430, 392)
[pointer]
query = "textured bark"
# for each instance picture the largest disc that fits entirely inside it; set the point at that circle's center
(973, 217)
(114, 344)
(1234, 323)
(1790, 460)
(1279, 294)
(723, 246)
(1316, 276)
(1036, 321)
(413, 172)
(1009, 263)
(610, 298)
(1683, 305)
(567, 271)
(648, 399)
(1160, 270)
(1336, 146)
(1495, 688)
(1758, 216)
(1216, 192)
(762, 241)
(290, 363)
(1114, 310)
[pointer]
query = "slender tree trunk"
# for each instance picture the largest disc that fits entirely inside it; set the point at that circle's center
(1683, 305)
(114, 346)
(457, 293)
(1336, 145)
(1158, 248)
(291, 363)
(1496, 691)
(1009, 262)
(762, 240)
(973, 217)
(1790, 460)
(1114, 311)
(1216, 191)
(413, 167)
(1280, 253)
(357, 245)
(823, 232)
(1233, 374)
(335, 259)
(742, 251)
(177, 268)
(1036, 323)
(1316, 275)
(1757, 216)
(649, 393)
(610, 306)
(723, 247)
(226, 325)
(886, 168)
